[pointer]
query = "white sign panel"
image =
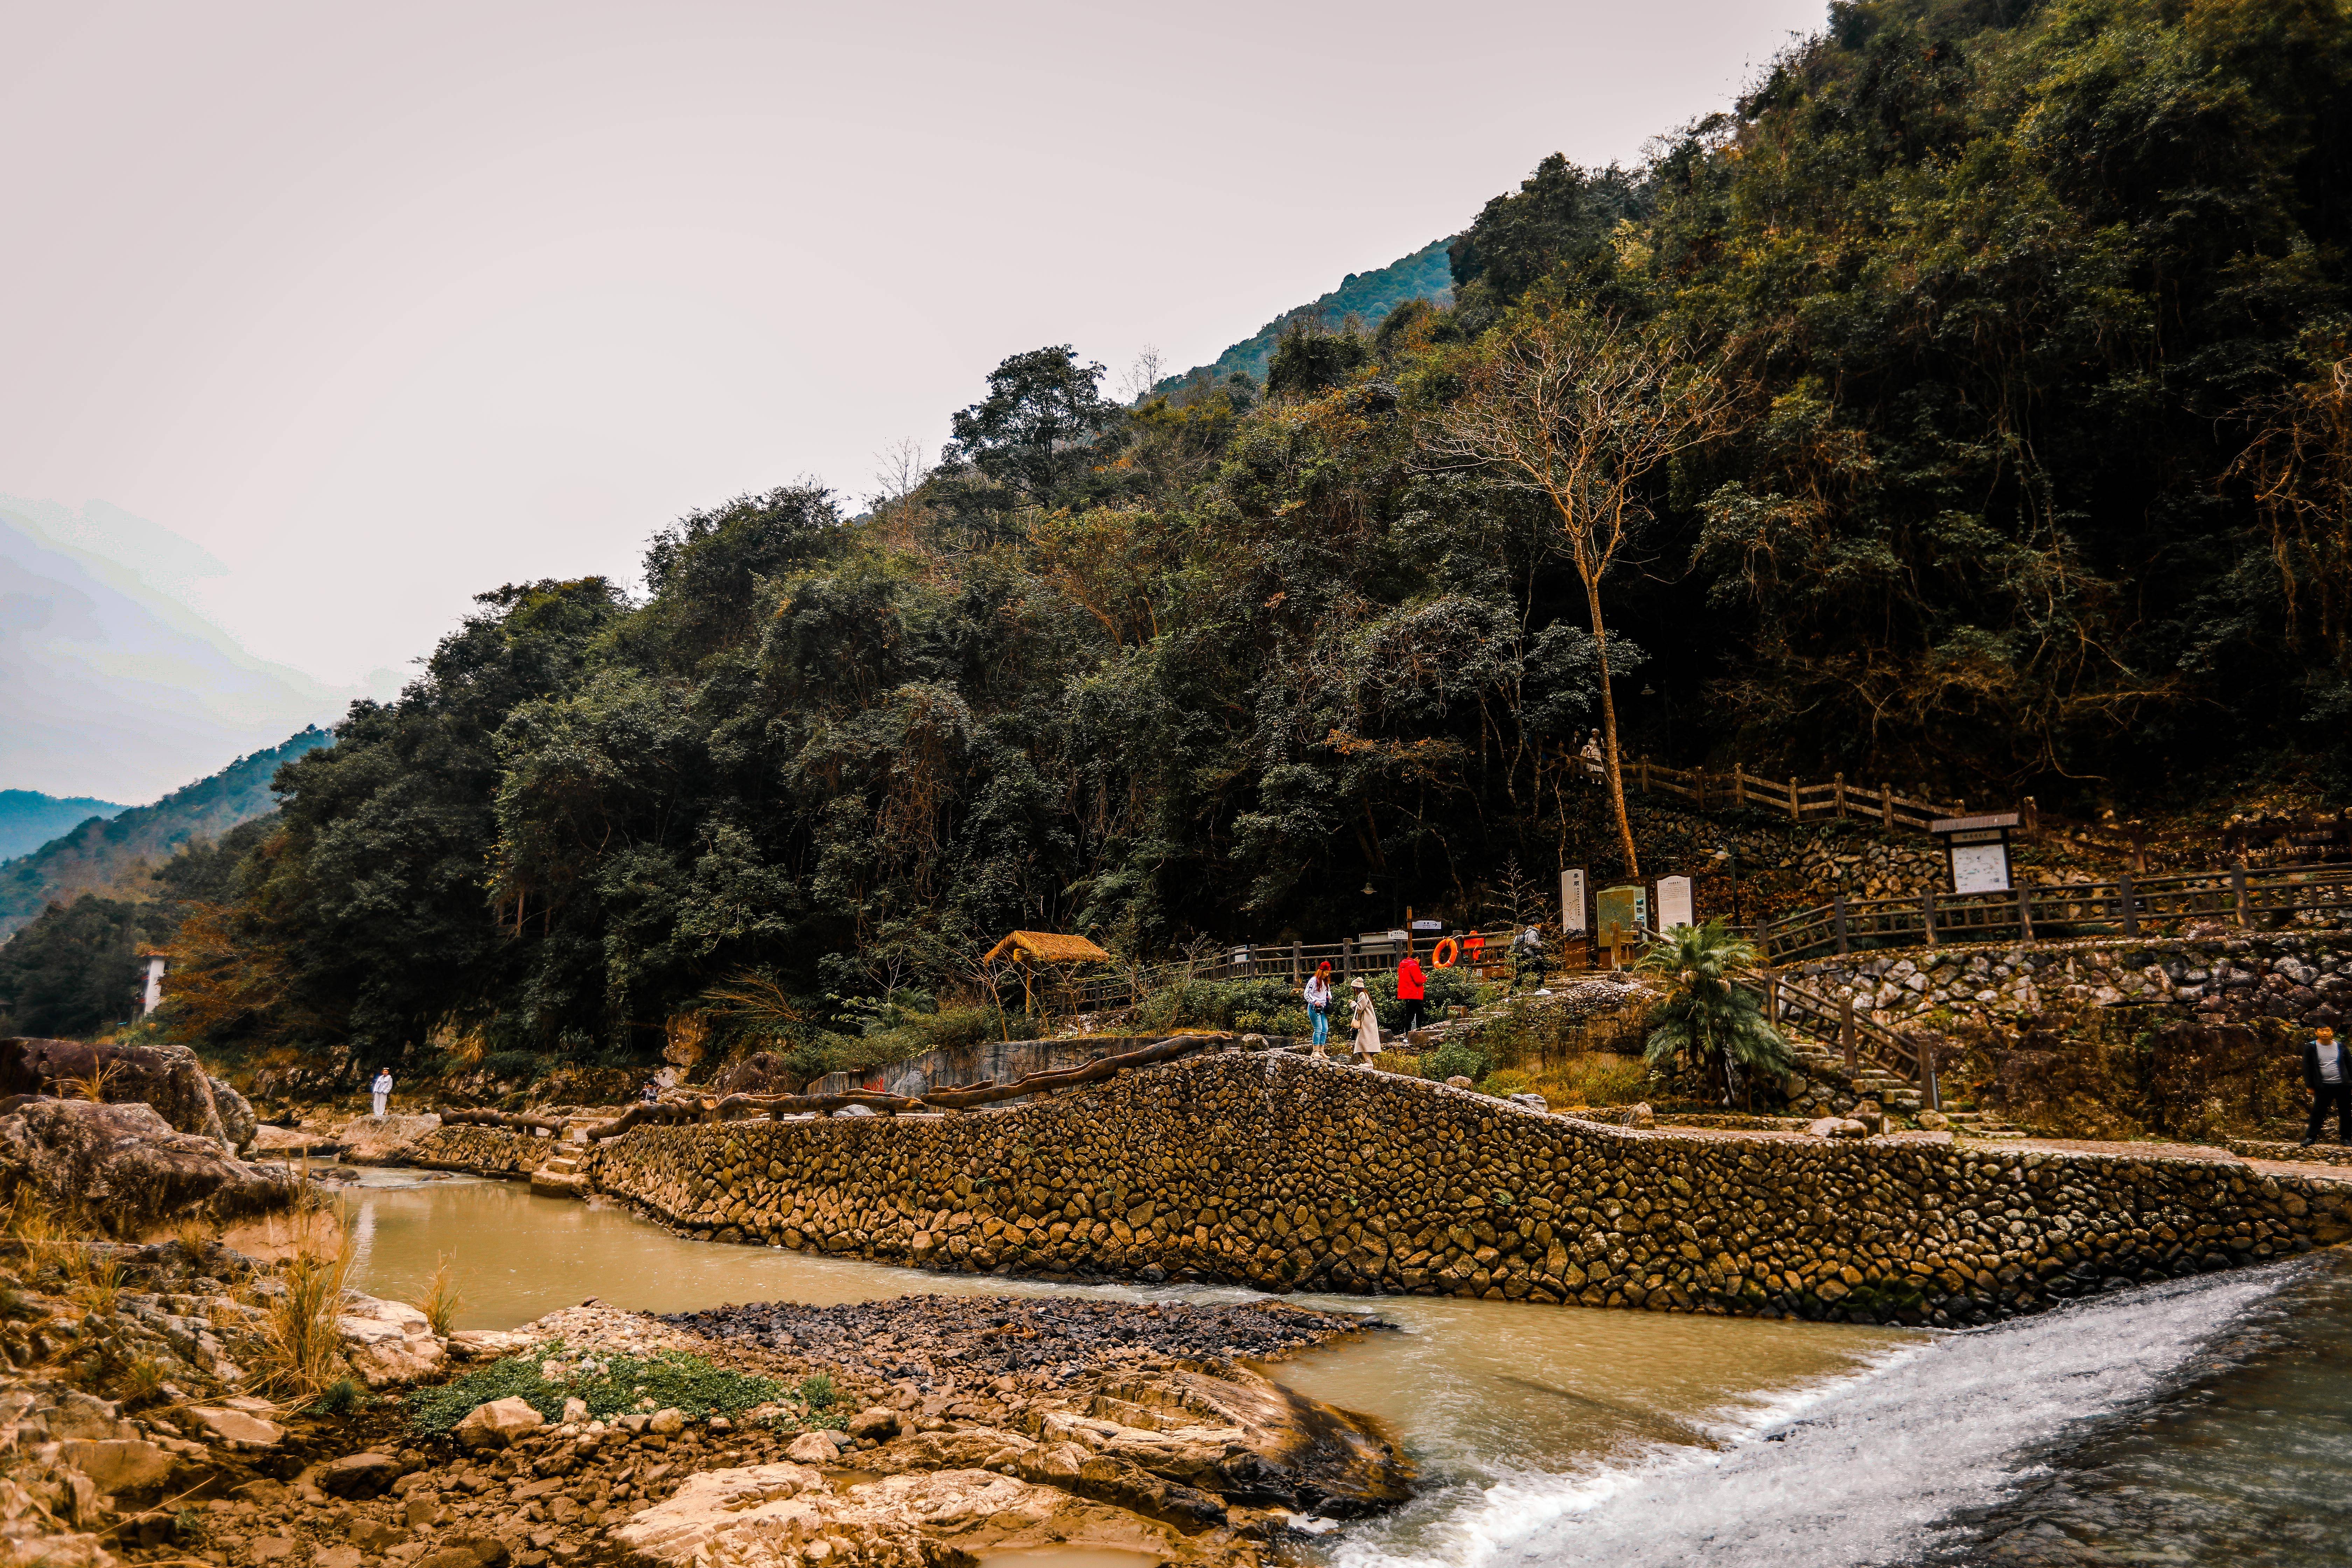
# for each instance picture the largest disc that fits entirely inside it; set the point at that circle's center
(1571, 902)
(1674, 902)
(1981, 867)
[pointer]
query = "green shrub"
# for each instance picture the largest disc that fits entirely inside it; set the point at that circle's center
(670, 1380)
(1454, 1059)
(524, 1065)
(340, 1398)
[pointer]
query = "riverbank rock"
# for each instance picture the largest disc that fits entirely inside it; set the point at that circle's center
(383, 1140)
(499, 1424)
(388, 1342)
(168, 1077)
(128, 1169)
(785, 1515)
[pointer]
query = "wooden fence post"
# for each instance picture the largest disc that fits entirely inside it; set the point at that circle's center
(1645, 773)
(1841, 920)
(1772, 1000)
(2124, 898)
(1838, 784)
(2238, 891)
(1796, 812)
(1846, 1029)
(1885, 803)
(1739, 787)
(1927, 1074)
(1294, 960)
(1927, 915)
(2024, 915)
(1347, 957)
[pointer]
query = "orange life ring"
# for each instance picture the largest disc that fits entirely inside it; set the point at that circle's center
(1446, 951)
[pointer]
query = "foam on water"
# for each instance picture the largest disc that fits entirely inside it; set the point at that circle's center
(1853, 1471)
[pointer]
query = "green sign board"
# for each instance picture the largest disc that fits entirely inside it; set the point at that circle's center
(1625, 909)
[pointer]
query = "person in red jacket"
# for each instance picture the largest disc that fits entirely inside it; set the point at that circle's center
(1410, 989)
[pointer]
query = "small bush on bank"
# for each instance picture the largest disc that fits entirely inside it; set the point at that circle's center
(609, 1385)
(1454, 1059)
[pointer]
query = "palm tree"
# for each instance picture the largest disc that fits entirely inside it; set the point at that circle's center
(1709, 1019)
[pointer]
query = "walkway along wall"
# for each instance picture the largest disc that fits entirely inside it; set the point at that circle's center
(1285, 1172)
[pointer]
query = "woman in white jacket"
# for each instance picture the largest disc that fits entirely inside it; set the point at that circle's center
(1367, 1020)
(1318, 1005)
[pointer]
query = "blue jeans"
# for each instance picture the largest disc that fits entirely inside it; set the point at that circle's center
(1321, 1018)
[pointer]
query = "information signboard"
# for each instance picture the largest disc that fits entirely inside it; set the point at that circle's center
(1674, 902)
(1571, 902)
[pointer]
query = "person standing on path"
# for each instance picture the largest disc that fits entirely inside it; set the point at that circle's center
(1366, 1021)
(1318, 1005)
(1411, 988)
(381, 1089)
(1527, 953)
(2324, 1071)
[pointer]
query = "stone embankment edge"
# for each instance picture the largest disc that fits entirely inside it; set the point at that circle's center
(1284, 1173)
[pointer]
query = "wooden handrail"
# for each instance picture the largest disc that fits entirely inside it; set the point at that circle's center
(2124, 907)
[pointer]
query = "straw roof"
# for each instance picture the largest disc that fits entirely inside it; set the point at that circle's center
(1047, 947)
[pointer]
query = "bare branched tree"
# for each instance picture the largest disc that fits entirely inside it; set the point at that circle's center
(1143, 374)
(899, 471)
(1582, 409)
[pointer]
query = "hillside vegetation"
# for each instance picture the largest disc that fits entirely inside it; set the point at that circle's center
(29, 819)
(1364, 298)
(116, 856)
(1966, 407)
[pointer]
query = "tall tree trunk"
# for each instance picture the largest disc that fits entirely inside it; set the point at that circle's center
(1609, 729)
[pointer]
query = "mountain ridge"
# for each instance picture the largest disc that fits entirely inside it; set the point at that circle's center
(29, 818)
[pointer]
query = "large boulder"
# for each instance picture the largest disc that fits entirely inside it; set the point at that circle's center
(388, 1342)
(168, 1077)
(128, 1169)
(238, 1123)
(385, 1140)
(761, 1072)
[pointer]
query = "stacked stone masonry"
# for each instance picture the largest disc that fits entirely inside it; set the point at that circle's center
(1284, 1173)
(2290, 975)
(484, 1151)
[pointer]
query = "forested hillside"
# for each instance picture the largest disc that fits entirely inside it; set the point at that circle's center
(29, 819)
(1363, 298)
(1966, 405)
(116, 854)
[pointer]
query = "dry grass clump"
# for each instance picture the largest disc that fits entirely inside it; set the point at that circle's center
(301, 1347)
(1593, 1077)
(441, 1298)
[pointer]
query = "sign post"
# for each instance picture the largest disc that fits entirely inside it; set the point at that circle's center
(1978, 849)
(1571, 902)
(1624, 914)
(1674, 902)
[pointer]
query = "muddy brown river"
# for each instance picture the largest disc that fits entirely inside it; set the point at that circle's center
(1561, 1436)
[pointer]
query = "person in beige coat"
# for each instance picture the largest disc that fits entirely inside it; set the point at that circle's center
(1367, 1022)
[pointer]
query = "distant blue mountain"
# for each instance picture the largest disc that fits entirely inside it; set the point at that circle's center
(1368, 297)
(29, 819)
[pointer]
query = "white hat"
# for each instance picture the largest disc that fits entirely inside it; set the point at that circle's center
(1358, 983)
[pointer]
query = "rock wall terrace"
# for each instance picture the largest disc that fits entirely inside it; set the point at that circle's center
(1284, 1173)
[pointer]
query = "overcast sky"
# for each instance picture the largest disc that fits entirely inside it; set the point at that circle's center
(378, 305)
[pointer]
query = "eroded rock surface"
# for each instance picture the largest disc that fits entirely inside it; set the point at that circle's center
(168, 1077)
(128, 1169)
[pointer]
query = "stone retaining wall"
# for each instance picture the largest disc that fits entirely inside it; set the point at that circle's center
(484, 1151)
(2295, 976)
(1284, 1173)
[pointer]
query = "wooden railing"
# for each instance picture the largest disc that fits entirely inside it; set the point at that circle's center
(1292, 960)
(1736, 788)
(1787, 1000)
(2126, 907)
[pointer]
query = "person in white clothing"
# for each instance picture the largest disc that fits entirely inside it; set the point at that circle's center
(1366, 1021)
(381, 1089)
(1318, 1006)
(2325, 1074)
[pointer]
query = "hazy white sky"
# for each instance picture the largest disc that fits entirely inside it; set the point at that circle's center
(382, 306)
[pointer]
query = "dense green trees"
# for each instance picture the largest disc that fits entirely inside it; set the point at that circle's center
(2022, 327)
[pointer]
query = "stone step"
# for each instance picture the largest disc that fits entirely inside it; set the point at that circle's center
(560, 1165)
(548, 1184)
